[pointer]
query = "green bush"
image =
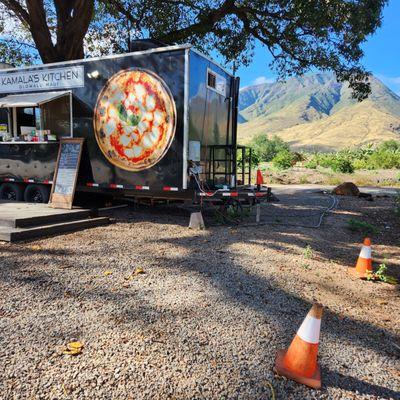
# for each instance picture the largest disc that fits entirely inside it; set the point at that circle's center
(365, 228)
(342, 165)
(254, 160)
(390, 145)
(284, 160)
(311, 164)
(267, 148)
(397, 203)
(384, 156)
(385, 159)
(360, 164)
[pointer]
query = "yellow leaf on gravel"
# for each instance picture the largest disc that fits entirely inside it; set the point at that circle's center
(35, 247)
(107, 273)
(139, 270)
(74, 345)
(72, 352)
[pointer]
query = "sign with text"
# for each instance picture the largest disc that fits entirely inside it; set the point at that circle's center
(66, 174)
(47, 79)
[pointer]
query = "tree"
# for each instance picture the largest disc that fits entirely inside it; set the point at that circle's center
(266, 148)
(57, 27)
(300, 34)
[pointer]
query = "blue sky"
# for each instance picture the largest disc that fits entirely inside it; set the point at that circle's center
(382, 54)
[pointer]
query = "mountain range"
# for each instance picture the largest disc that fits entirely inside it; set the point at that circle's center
(316, 112)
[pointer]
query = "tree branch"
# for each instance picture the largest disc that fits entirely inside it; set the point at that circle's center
(121, 9)
(204, 25)
(40, 31)
(73, 19)
(18, 10)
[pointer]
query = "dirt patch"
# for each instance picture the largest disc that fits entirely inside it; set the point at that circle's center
(206, 318)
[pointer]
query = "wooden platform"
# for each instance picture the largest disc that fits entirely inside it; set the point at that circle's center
(22, 221)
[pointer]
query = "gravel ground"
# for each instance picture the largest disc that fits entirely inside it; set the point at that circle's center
(206, 318)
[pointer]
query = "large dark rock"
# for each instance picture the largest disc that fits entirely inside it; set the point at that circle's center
(346, 189)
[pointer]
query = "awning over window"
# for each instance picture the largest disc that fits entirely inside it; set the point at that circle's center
(30, 99)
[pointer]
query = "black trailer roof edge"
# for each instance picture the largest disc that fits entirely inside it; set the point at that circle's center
(111, 56)
(212, 60)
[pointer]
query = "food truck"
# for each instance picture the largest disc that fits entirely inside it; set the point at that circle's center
(156, 123)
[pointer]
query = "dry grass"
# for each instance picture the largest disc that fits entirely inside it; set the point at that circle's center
(325, 176)
(356, 125)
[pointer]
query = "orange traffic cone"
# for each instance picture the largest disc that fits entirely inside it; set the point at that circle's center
(299, 361)
(260, 180)
(364, 262)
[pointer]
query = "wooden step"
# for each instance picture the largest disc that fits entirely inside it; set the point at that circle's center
(12, 234)
(24, 222)
(21, 214)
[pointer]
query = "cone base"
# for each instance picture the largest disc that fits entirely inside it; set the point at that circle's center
(356, 274)
(313, 382)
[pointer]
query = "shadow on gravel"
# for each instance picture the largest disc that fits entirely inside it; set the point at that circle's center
(173, 214)
(254, 291)
(21, 249)
(349, 383)
(235, 284)
(333, 241)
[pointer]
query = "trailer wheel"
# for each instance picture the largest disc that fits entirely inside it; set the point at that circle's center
(232, 211)
(11, 191)
(37, 194)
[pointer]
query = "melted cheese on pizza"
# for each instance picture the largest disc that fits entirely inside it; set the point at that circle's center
(134, 119)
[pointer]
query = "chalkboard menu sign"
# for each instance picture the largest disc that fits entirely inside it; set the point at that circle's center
(66, 174)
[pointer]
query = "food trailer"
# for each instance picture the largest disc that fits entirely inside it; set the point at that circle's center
(156, 123)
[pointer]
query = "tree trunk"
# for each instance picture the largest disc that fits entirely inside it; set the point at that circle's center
(40, 31)
(73, 19)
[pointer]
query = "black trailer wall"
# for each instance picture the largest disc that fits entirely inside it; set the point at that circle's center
(198, 91)
(169, 66)
(210, 110)
(17, 159)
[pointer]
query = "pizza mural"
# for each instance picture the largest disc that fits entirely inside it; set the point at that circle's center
(134, 119)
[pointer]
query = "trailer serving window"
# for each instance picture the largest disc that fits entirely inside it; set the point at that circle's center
(36, 117)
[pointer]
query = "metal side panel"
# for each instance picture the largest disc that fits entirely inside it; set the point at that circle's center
(186, 121)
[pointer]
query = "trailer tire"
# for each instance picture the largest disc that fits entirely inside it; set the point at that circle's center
(11, 192)
(231, 211)
(37, 194)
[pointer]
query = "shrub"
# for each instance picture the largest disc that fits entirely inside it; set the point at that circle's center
(284, 160)
(365, 228)
(298, 157)
(397, 203)
(267, 148)
(254, 160)
(360, 164)
(384, 159)
(384, 156)
(390, 145)
(381, 275)
(342, 165)
(311, 164)
(308, 252)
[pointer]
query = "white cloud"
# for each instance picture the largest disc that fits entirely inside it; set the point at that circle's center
(393, 82)
(262, 79)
